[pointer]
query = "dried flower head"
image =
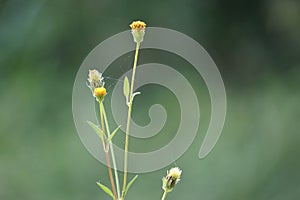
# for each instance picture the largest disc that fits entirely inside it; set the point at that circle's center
(95, 80)
(99, 93)
(172, 178)
(138, 30)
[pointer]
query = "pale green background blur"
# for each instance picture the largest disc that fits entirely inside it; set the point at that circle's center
(256, 45)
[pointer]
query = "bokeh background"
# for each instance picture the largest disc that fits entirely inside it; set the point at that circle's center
(255, 44)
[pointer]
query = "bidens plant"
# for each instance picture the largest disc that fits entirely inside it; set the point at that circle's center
(96, 85)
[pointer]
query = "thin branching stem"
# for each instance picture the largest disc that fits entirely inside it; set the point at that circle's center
(112, 152)
(106, 149)
(129, 118)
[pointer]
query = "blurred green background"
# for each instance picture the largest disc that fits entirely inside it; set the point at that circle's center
(255, 44)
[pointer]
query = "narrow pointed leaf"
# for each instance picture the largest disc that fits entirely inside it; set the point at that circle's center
(134, 94)
(126, 88)
(113, 134)
(96, 129)
(106, 190)
(129, 184)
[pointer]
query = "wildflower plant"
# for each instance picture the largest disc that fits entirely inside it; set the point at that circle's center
(96, 84)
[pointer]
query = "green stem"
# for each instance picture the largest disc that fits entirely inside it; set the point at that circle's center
(129, 118)
(106, 152)
(112, 152)
(164, 195)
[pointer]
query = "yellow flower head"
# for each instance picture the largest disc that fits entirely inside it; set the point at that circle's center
(138, 25)
(138, 30)
(100, 93)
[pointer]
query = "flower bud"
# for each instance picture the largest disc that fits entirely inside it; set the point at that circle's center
(100, 93)
(138, 30)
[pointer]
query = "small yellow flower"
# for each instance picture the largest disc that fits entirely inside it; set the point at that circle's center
(138, 30)
(100, 93)
(172, 178)
(138, 25)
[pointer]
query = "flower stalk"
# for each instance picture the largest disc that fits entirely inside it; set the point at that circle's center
(112, 152)
(106, 150)
(164, 195)
(138, 32)
(129, 118)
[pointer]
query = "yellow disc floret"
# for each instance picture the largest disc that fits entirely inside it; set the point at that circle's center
(99, 93)
(138, 25)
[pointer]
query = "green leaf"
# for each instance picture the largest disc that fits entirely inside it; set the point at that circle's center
(126, 88)
(96, 129)
(134, 94)
(113, 134)
(129, 184)
(106, 190)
